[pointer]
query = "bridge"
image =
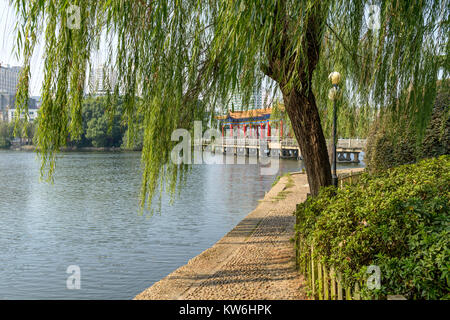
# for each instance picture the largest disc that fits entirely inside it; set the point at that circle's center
(348, 150)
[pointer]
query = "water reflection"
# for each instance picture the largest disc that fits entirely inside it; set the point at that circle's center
(90, 218)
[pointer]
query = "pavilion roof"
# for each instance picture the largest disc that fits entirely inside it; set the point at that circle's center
(253, 114)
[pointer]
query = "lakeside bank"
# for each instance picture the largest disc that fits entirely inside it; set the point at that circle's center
(31, 148)
(254, 261)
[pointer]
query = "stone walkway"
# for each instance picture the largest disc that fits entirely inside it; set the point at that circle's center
(255, 260)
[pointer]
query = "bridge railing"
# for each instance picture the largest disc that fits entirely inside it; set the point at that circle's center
(252, 142)
(288, 142)
(351, 143)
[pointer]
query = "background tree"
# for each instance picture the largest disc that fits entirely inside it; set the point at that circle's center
(5, 141)
(21, 129)
(99, 128)
(172, 53)
(436, 140)
(390, 145)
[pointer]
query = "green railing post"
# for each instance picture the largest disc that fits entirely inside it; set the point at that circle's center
(333, 284)
(325, 283)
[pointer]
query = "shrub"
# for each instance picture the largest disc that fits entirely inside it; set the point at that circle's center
(7, 132)
(397, 219)
(390, 144)
(437, 136)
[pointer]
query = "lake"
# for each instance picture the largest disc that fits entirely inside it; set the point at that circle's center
(90, 218)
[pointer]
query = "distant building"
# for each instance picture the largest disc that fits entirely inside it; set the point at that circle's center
(6, 103)
(271, 97)
(102, 79)
(32, 114)
(38, 100)
(9, 78)
(256, 100)
(254, 123)
(8, 108)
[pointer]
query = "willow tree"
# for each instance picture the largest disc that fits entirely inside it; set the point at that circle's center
(174, 53)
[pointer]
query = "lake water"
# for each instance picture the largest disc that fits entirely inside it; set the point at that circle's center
(90, 218)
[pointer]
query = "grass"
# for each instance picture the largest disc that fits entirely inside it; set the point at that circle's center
(279, 177)
(283, 193)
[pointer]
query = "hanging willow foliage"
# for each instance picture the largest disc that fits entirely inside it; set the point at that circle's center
(179, 59)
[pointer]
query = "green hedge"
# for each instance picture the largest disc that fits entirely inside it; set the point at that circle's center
(397, 219)
(391, 144)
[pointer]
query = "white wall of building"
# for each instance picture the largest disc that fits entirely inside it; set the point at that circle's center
(32, 114)
(9, 78)
(256, 100)
(102, 79)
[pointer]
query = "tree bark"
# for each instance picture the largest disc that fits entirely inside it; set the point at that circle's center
(299, 99)
(302, 110)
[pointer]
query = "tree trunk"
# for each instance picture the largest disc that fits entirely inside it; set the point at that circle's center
(299, 99)
(302, 110)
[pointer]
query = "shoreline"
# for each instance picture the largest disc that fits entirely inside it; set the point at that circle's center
(234, 267)
(254, 261)
(32, 148)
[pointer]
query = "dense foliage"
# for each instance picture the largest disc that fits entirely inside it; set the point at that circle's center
(352, 122)
(390, 144)
(100, 129)
(173, 53)
(23, 131)
(397, 219)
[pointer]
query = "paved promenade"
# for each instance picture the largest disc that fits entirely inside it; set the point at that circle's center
(255, 260)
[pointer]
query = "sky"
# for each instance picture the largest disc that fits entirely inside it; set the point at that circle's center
(8, 43)
(7, 46)
(8, 56)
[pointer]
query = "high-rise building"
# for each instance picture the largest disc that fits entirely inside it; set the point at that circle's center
(256, 100)
(271, 96)
(258, 97)
(9, 78)
(102, 79)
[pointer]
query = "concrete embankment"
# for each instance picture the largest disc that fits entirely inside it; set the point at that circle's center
(255, 260)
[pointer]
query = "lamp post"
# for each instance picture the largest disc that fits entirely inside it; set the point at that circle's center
(335, 78)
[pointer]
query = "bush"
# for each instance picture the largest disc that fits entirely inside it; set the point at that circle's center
(7, 132)
(390, 145)
(397, 219)
(4, 135)
(437, 136)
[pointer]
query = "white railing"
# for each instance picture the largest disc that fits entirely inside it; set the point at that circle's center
(252, 142)
(287, 142)
(351, 143)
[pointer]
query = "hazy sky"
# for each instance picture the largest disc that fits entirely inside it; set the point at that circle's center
(7, 46)
(8, 43)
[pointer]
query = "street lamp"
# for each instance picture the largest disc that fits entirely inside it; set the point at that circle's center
(335, 78)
